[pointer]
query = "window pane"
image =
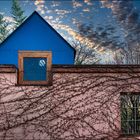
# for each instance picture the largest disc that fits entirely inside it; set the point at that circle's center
(130, 114)
(34, 69)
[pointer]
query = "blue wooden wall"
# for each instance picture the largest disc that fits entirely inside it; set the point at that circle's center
(37, 35)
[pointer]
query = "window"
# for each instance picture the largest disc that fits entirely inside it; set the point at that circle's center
(34, 68)
(130, 113)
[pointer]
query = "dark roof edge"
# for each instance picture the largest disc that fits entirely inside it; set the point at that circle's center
(82, 69)
(8, 68)
(98, 66)
(35, 12)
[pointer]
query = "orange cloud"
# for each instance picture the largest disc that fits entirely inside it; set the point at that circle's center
(76, 4)
(37, 2)
(40, 6)
(88, 2)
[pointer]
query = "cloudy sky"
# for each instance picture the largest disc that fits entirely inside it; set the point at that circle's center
(67, 15)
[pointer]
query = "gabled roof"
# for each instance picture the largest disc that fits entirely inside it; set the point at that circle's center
(45, 23)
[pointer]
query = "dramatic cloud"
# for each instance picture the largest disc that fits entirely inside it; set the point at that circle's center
(62, 12)
(128, 18)
(40, 4)
(76, 4)
(106, 54)
(124, 11)
(48, 17)
(88, 2)
(58, 15)
(55, 3)
(66, 16)
(86, 10)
